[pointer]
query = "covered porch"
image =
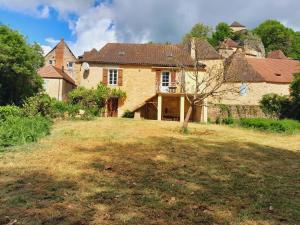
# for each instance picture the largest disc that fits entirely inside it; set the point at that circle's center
(170, 107)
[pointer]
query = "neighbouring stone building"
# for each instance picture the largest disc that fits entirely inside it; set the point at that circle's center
(255, 78)
(59, 71)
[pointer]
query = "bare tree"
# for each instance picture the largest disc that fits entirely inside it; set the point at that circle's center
(205, 81)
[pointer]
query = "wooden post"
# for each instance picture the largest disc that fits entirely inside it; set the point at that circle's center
(182, 109)
(159, 107)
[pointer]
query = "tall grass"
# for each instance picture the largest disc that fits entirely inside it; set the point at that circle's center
(278, 126)
(20, 130)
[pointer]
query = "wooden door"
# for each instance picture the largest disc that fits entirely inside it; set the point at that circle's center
(112, 107)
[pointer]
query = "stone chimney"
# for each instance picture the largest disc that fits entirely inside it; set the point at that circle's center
(193, 48)
(59, 54)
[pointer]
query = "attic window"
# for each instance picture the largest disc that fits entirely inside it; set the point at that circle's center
(278, 74)
(121, 53)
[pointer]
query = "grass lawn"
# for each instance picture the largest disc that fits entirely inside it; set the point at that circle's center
(118, 171)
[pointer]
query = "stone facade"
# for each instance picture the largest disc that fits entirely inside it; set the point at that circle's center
(219, 112)
(60, 57)
(250, 93)
(57, 88)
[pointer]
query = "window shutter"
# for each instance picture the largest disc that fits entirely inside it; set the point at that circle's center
(105, 77)
(120, 77)
(157, 77)
(173, 77)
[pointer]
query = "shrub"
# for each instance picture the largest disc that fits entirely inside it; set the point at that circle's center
(128, 114)
(38, 105)
(274, 105)
(279, 126)
(20, 130)
(62, 109)
(228, 121)
(10, 110)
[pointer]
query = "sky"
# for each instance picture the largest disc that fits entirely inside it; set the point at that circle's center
(87, 24)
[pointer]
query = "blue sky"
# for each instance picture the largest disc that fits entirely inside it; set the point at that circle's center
(87, 24)
(37, 29)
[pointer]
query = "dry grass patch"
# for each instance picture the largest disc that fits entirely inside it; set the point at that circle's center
(118, 171)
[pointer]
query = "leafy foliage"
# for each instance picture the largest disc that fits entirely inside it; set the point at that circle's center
(128, 114)
(222, 32)
(94, 100)
(20, 130)
(199, 30)
(19, 62)
(274, 105)
(9, 110)
(38, 105)
(276, 36)
(279, 126)
(282, 106)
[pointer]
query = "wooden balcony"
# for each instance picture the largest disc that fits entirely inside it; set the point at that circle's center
(173, 87)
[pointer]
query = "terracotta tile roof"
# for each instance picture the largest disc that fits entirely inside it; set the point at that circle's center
(263, 70)
(139, 54)
(205, 50)
(53, 72)
(275, 70)
(278, 54)
(229, 43)
(236, 24)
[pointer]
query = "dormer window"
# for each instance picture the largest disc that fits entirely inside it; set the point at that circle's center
(70, 65)
(52, 62)
(277, 74)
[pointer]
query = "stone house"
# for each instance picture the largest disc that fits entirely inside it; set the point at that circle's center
(59, 71)
(148, 73)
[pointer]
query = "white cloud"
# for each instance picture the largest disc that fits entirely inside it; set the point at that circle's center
(46, 49)
(94, 29)
(152, 20)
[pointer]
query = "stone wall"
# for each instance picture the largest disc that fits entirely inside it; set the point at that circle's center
(216, 111)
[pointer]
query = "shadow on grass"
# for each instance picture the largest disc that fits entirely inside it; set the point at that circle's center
(164, 181)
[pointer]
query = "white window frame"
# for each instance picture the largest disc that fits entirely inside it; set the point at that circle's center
(113, 77)
(70, 67)
(162, 82)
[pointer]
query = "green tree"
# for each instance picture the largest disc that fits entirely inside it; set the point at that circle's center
(222, 32)
(295, 54)
(19, 62)
(276, 36)
(199, 30)
(295, 97)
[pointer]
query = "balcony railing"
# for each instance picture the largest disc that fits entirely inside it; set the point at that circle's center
(173, 87)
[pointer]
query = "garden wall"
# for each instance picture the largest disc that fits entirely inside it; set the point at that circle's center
(221, 111)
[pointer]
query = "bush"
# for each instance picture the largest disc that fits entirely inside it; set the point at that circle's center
(274, 105)
(39, 105)
(10, 110)
(21, 130)
(62, 109)
(228, 121)
(279, 126)
(128, 114)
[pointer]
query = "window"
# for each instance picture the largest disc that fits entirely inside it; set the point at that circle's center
(165, 79)
(243, 89)
(113, 77)
(51, 62)
(70, 65)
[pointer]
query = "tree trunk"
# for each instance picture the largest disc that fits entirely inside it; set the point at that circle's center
(187, 118)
